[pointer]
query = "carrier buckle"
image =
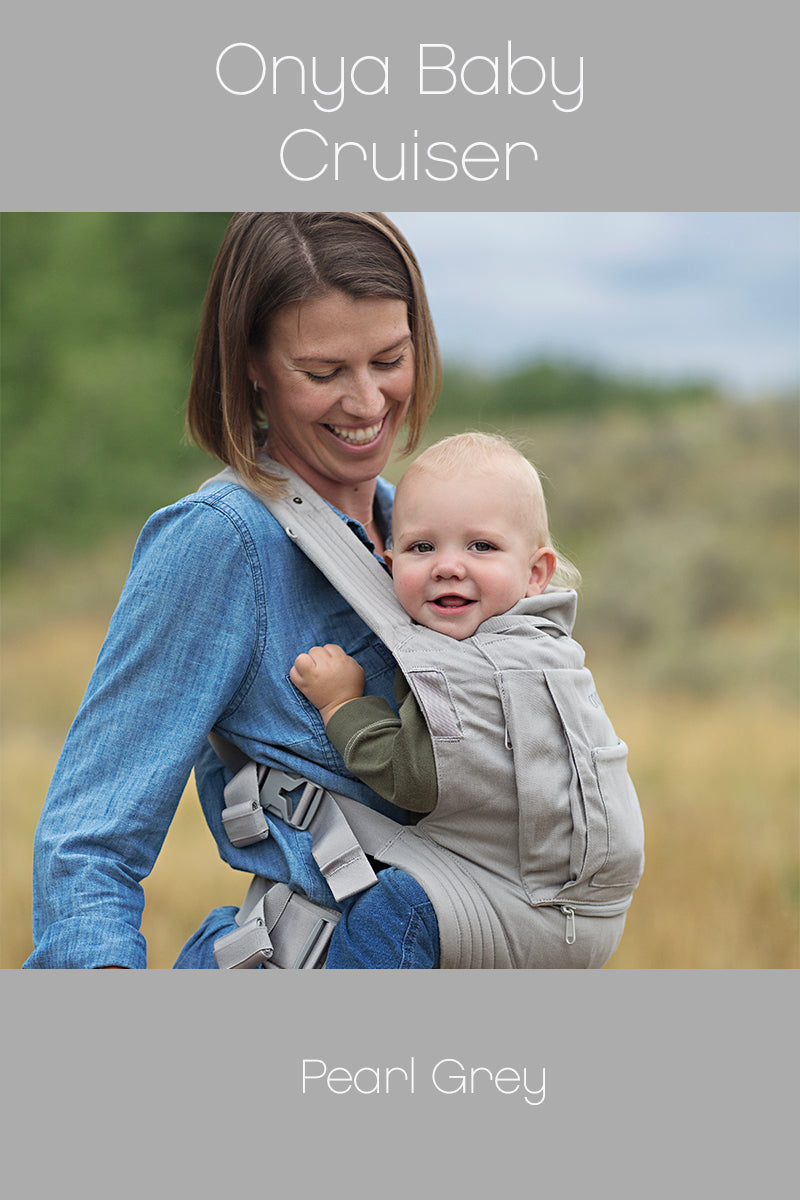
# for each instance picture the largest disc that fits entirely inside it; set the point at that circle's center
(245, 948)
(275, 798)
(245, 823)
(243, 817)
(282, 929)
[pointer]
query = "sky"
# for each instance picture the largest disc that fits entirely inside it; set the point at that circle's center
(673, 295)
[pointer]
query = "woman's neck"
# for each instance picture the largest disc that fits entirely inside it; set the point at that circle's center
(355, 500)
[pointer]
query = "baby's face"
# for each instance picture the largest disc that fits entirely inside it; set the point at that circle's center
(463, 551)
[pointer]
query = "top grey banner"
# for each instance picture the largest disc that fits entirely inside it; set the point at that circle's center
(571, 105)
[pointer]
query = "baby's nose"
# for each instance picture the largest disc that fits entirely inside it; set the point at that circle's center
(449, 567)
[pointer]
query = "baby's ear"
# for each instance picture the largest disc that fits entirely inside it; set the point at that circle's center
(387, 558)
(542, 567)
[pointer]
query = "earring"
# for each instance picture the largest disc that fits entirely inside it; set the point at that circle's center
(255, 385)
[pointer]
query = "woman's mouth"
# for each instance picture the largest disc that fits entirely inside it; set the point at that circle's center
(357, 435)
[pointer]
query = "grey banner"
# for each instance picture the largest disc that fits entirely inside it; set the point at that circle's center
(652, 1079)
(631, 1084)
(444, 106)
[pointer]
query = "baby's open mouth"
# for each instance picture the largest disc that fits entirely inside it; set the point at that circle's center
(451, 602)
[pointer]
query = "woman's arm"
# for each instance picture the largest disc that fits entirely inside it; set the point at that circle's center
(178, 648)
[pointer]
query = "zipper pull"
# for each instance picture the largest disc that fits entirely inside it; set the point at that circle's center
(569, 913)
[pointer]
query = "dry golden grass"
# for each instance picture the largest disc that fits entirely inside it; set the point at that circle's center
(717, 778)
(718, 784)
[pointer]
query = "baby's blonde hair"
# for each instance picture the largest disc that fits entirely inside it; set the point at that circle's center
(485, 453)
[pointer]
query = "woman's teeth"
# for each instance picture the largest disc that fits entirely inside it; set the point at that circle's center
(357, 437)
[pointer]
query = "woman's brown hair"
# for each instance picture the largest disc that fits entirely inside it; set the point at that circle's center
(270, 259)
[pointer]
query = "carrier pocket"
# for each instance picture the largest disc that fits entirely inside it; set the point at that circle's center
(544, 779)
(625, 829)
(608, 835)
(579, 819)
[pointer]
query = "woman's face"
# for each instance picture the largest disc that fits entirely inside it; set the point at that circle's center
(336, 377)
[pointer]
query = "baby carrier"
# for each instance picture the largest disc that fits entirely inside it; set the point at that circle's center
(515, 828)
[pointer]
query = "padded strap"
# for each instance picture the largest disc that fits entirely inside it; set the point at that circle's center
(356, 574)
(470, 933)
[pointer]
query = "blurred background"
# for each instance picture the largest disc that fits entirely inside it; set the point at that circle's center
(648, 363)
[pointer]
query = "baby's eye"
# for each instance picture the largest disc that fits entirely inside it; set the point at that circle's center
(482, 547)
(421, 548)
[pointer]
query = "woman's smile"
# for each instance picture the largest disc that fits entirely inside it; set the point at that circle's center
(336, 377)
(357, 435)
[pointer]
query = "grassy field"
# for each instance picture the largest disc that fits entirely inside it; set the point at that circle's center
(685, 528)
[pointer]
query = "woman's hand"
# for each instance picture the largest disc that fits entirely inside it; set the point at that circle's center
(328, 678)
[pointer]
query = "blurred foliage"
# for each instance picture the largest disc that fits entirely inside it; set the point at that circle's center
(99, 315)
(551, 387)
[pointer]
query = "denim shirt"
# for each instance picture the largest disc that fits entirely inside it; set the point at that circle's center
(217, 605)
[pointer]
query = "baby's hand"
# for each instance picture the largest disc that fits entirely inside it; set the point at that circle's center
(328, 678)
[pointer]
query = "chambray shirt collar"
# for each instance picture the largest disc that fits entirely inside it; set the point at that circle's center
(382, 508)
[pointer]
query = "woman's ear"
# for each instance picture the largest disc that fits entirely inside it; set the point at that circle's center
(543, 564)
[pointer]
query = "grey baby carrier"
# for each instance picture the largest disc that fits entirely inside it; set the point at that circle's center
(537, 824)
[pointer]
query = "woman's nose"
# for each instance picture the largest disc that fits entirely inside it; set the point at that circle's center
(363, 397)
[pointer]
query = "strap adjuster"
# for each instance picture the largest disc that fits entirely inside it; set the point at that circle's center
(244, 948)
(275, 799)
(243, 817)
(282, 929)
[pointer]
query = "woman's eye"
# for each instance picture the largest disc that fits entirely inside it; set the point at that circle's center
(396, 362)
(321, 378)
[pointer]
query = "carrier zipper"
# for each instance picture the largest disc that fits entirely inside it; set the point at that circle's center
(569, 913)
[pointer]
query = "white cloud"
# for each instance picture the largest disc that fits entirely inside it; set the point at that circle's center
(711, 294)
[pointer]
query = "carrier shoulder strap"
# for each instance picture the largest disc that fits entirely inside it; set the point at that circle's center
(327, 541)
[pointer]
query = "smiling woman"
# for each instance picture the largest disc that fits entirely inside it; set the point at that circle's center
(316, 347)
(336, 377)
(316, 304)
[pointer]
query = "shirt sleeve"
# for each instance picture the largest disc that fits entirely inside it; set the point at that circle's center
(180, 647)
(391, 754)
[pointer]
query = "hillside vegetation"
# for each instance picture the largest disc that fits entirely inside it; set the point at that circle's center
(679, 507)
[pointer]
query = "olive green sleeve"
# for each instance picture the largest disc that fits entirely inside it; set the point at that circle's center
(392, 755)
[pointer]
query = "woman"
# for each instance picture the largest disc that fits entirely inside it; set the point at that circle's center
(316, 348)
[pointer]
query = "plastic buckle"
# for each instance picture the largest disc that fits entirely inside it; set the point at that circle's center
(245, 823)
(244, 948)
(301, 933)
(275, 799)
(243, 816)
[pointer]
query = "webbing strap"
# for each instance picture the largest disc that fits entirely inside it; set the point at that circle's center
(276, 928)
(255, 788)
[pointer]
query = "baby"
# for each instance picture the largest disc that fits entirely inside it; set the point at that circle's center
(524, 782)
(469, 540)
